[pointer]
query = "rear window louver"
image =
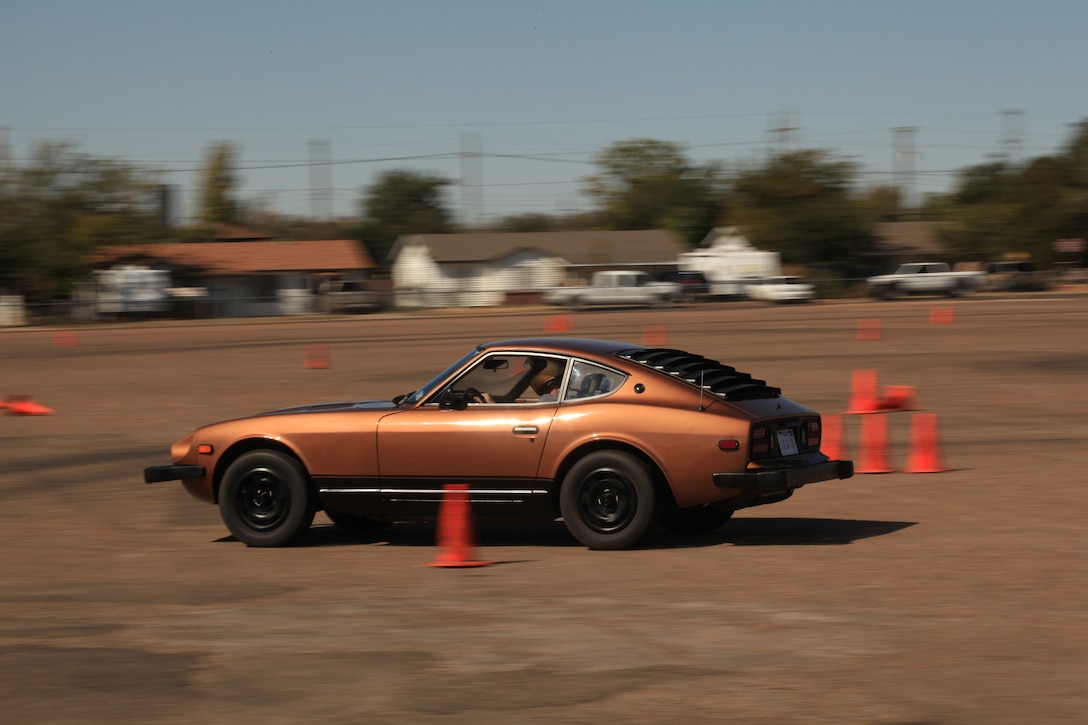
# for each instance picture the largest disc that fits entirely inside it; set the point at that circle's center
(721, 380)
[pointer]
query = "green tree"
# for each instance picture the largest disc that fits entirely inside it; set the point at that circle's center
(801, 205)
(399, 203)
(650, 184)
(999, 209)
(60, 206)
(217, 185)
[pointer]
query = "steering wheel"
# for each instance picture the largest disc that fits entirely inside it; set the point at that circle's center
(475, 395)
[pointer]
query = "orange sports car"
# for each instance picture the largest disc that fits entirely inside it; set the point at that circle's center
(615, 438)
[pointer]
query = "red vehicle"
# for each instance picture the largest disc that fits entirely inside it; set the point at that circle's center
(613, 438)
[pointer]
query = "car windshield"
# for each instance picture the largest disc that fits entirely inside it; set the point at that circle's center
(427, 389)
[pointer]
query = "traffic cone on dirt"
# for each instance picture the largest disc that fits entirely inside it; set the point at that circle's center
(831, 443)
(898, 397)
(873, 448)
(317, 357)
(23, 405)
(943, 315)
(65, 338)
(653, 335)
(455, 536)
(863, 395)
(558, 323)
(925, 453)
(868, 330)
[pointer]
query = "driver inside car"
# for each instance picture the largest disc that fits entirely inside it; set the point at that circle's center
(547, 381)
(540, 382)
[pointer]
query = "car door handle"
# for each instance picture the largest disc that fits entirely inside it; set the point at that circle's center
(526, 430)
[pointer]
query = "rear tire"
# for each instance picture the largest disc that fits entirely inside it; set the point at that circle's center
(608, 501)
(265, 499)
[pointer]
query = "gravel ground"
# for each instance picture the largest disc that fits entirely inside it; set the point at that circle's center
(954, 597)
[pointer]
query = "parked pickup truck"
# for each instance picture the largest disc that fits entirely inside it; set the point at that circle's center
(923, 278)
(346, 297)
(618, 287)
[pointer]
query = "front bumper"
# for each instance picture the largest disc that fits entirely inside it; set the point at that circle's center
(779, 480)
(158, 474)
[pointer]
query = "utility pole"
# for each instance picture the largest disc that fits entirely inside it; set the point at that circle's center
(903, 158)
(781, 128)
(1012, 135)
(321, 179)
(5, 153)
(472, 180)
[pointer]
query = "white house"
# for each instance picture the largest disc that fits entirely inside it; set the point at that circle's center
(479, 270)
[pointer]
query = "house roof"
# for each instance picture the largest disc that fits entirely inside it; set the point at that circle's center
(593, 247)
(234, 258)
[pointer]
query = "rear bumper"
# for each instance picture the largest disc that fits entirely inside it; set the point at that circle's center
(778, 480)
(158, 474)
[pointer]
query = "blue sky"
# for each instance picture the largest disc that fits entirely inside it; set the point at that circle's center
(541, 87)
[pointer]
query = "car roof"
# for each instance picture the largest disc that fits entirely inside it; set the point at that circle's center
(724, 381)
(568, 345)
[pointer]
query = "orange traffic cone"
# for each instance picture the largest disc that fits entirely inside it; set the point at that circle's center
(558, 323)
(868, 330)
(23, 405)
(317, 357)
(653, 335)
(925, 454)
(898, 397)
(863, 397)
(65, 338)
(831, 444)
(942, 315)
(455, 529)
(873, 449)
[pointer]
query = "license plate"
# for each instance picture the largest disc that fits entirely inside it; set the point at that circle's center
(787, 444)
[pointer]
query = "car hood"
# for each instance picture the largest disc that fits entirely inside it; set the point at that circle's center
(334, 407)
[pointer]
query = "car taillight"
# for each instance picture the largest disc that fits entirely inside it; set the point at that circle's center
(761, 440)
(812, 433)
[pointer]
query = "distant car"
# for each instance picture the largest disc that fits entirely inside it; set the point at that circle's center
(621, 287)
(780, 289)
(693, 285)
(346, 297)
(1012, 276)
(923, 278)
(612, 437)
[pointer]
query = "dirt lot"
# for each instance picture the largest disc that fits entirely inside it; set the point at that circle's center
(955, 597)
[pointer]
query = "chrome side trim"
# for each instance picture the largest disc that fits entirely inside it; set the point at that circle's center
(423, 491)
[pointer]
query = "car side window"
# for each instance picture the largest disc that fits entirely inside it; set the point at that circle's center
(509, 378)
(591, 381)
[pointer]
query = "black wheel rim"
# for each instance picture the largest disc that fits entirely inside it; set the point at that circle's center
(262, 501)
(607, 501)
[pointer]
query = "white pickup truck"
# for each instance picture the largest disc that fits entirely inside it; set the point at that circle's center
(618, 287)
(922, 278)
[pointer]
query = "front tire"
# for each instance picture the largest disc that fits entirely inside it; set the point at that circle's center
(608, 501)
(266, 499)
